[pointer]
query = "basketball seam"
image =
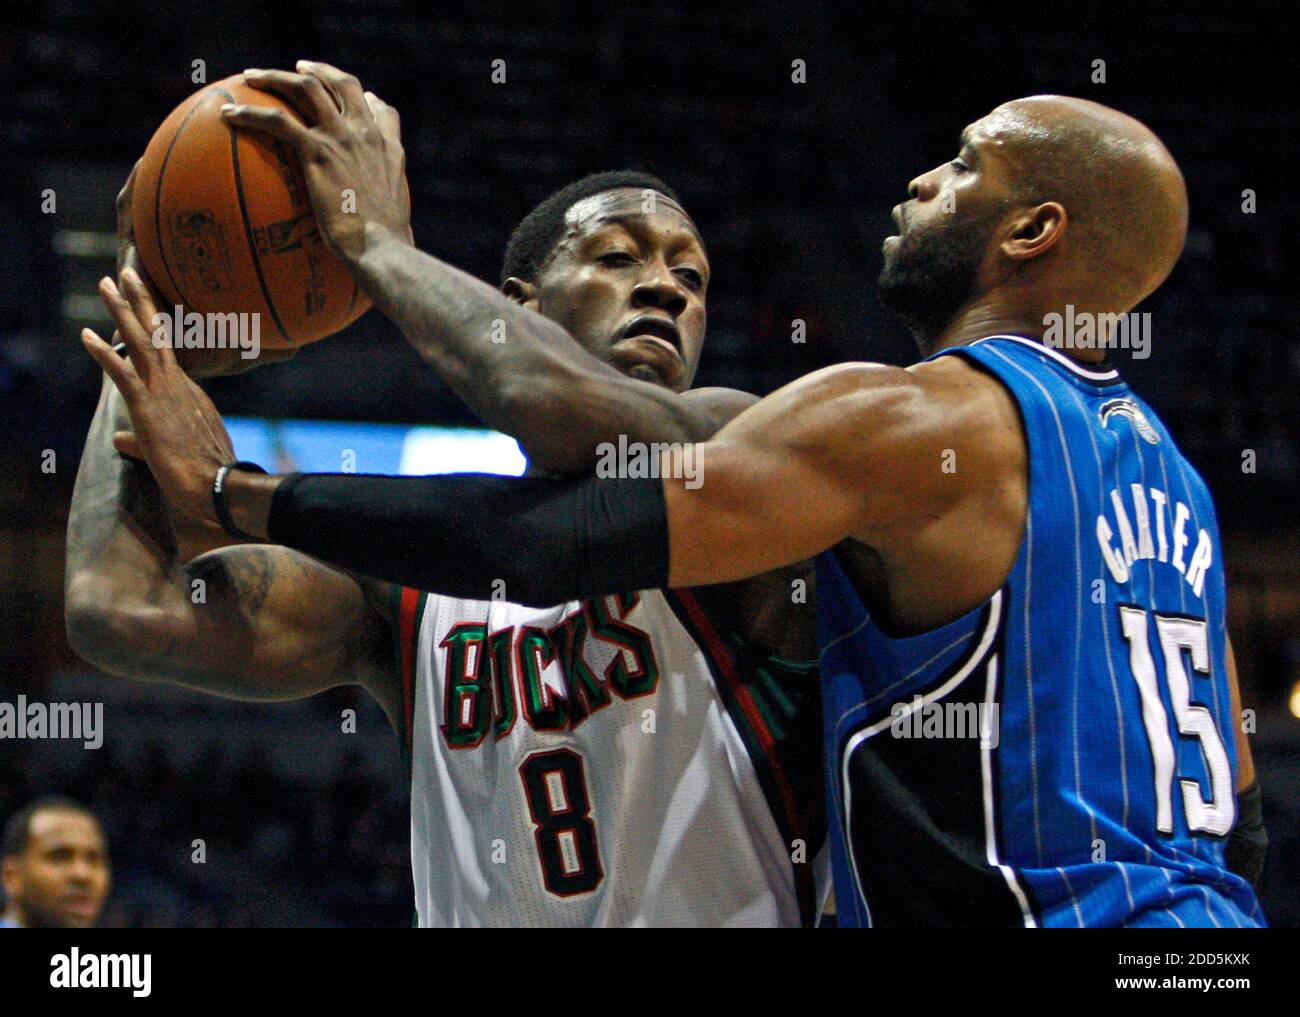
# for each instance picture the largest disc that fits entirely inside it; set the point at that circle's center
(248, 229)
(157, 204)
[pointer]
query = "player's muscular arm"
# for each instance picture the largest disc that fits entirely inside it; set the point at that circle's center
(534, 375)
(853, 450)
(850, 451)
(246, 621)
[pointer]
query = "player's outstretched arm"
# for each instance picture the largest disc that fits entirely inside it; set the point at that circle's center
(863, 443)
(517, 370)
(851, 451)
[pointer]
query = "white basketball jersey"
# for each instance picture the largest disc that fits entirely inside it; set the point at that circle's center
(592, 765)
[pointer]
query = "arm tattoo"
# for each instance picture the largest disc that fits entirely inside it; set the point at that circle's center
(236, 581)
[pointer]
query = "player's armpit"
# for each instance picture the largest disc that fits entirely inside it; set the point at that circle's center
(852, 450)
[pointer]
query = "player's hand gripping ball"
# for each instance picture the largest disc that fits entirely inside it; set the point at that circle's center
(224, 223)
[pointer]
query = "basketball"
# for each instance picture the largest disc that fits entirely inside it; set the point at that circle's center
(223, 223)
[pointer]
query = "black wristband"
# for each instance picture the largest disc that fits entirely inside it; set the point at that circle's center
(219, 497)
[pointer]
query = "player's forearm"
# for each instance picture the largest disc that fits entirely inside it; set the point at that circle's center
(518, 371)
(467, 535)
(123, 579)
(119, 538)
(121, 553)
(547, 540)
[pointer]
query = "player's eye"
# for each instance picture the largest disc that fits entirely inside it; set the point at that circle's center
(694, 279)
(617, 258)
(959, 166)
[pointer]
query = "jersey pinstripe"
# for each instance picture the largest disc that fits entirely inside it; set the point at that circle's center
(1102, 789)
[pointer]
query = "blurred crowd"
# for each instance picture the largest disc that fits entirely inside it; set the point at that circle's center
(203, 832)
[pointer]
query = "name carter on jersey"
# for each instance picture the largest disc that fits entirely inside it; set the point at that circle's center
(1169, 544)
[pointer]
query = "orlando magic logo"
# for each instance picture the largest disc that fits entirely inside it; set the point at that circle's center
(1128, 408)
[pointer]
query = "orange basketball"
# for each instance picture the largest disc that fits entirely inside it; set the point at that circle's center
(223, 223)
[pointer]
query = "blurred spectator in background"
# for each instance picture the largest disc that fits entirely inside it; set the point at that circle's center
(54, 866)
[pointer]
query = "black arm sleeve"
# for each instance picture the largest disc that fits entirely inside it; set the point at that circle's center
(464, 535)
(1248, 842)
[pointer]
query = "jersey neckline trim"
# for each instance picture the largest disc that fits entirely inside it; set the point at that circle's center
(1071, 365)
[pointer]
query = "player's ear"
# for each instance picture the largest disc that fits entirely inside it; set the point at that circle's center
(520, 292)
(1035, 231)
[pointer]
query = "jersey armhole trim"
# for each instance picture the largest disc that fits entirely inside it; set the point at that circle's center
(409, 612)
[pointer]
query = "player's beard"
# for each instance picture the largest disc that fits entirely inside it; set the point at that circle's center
(932, 272)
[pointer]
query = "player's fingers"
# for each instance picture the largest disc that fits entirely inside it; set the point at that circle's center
(390, 129)
(128, 444)
(268, 121)
(390, 124)
(119, 370)
(345, 87)
(144, 353)
(306, 93)
(139, 297)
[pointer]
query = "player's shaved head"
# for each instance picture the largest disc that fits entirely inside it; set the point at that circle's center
(1122, 190)
(1050, 202)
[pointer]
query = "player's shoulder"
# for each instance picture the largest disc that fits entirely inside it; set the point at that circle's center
(948, 395)
(967, 398)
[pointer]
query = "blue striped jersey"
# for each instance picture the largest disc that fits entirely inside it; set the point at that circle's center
(1062, 755)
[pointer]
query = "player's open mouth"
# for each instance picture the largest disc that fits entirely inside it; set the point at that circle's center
(651, 326)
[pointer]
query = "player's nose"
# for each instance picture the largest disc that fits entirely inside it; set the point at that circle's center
(924, 187)
(658, 287)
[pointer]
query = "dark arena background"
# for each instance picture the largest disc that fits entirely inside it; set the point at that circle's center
(303, 821)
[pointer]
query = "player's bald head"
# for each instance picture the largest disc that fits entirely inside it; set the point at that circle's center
(1122, 191)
